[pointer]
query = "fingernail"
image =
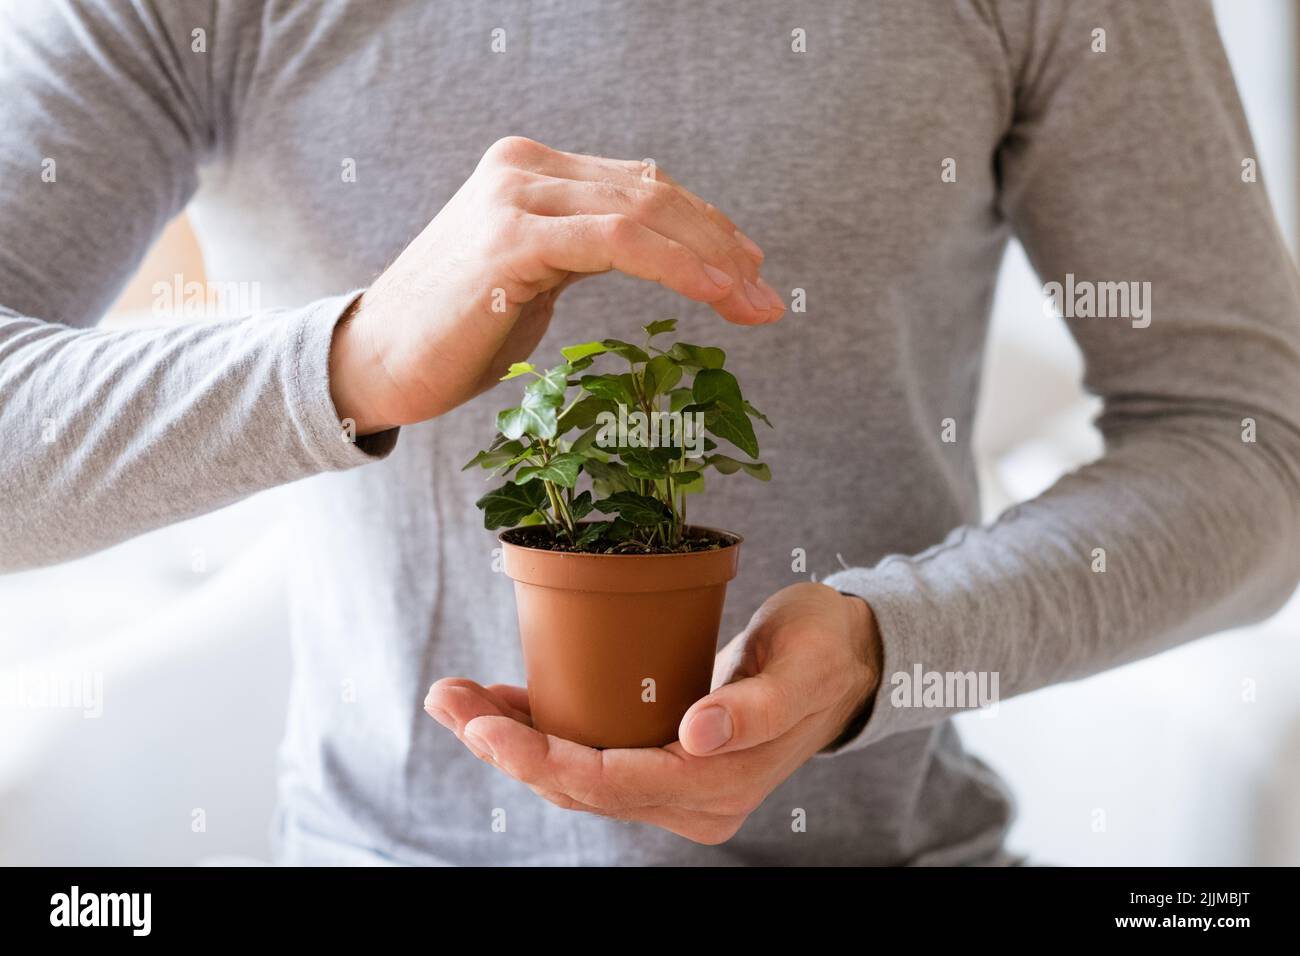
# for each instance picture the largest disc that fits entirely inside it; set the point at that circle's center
(440, 715)
(749, 245)
(480, 747)
(710, 729)
(720, 278)
(757, 297)
(771, 294)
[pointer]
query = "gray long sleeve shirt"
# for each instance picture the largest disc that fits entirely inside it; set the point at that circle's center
(882, 157)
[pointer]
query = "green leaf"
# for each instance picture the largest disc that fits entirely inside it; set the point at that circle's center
(548, 389)
(510, 504)
(753, 412)
(531, 418)
(713, 385)
(496, 456)
(729, 466)
(527, 521)
(659, 327)
(661, 374)
(583, 414)
(590, 533)
(724, 412)
(648, 463)
(679, 398)
(697, 356)
(517, 369)
(585, 444)
(581, 506)
(620, 530)
(691, 479)
(575, 353)
(734, 426)
(609, 477)
(561, 470)
(640, 510)
(524, 455)
(625, 349)
(615, 388)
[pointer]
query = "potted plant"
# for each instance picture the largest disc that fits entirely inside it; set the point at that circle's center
(619, 599)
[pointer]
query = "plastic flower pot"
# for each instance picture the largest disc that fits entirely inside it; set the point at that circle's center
(618, 646)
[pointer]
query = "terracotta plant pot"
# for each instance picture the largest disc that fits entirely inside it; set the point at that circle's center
(618, 646)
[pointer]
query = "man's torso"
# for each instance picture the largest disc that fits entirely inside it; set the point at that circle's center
(833, 158)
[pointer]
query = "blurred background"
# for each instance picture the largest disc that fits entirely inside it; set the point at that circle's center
(1192, 757)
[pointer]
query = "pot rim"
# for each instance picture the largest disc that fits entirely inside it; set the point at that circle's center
(632, 574)
(736, 541)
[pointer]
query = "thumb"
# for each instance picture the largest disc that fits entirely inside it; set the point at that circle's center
(743, 714)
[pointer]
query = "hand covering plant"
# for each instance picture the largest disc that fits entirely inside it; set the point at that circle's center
(641, 473)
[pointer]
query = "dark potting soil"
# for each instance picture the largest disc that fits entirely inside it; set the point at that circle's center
(695, 539)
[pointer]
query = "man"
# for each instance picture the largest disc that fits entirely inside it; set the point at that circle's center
(876, 157)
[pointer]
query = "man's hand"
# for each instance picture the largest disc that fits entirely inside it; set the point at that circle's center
(786, 687)
(476, 289)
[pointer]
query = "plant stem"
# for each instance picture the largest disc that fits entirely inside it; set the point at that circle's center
(561, 512)
(667, 531)
(570, 406)
(673, 527)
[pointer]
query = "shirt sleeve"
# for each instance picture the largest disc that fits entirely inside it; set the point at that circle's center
(107, 434)
(1129, 165)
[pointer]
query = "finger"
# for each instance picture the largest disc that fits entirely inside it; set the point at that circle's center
(455, 701)
(557, 196)
(701, 826)
(614, 781)
(612, 241)
(641, 174)
(750, 711)
(735, 660)
(522, 153)
(647, 177)
(516, 697)
(625, 182)
(752, 293)
(667, 211)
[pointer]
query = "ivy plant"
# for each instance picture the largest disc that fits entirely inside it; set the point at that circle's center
(639, 440)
